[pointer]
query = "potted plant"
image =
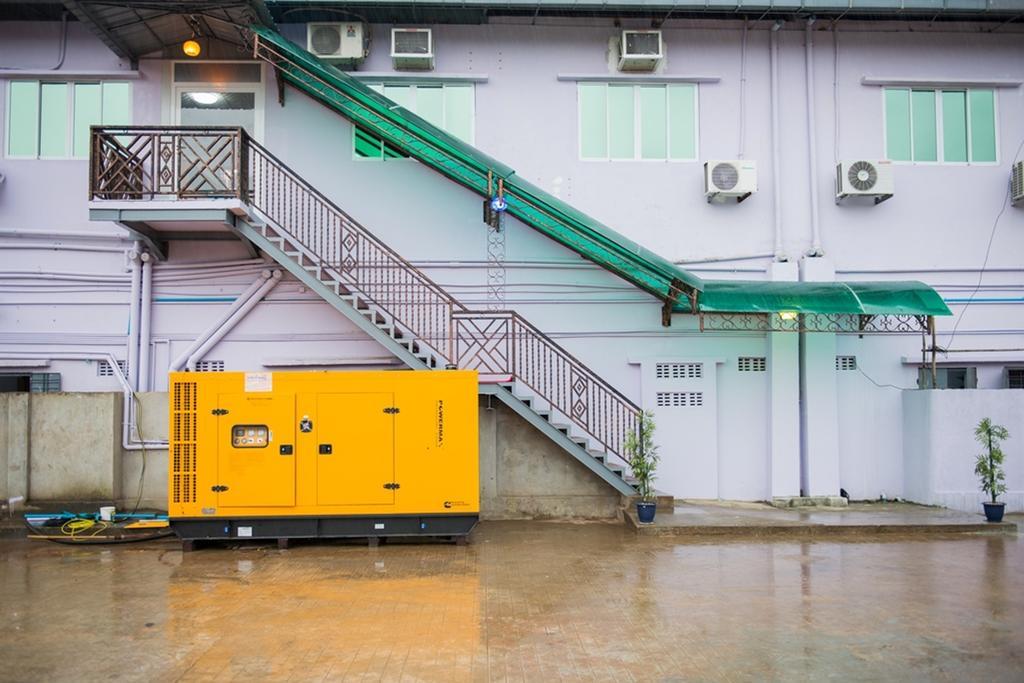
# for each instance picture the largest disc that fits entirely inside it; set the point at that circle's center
(643, 460)
(989, 466)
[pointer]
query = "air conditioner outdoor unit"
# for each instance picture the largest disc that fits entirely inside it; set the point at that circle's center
(412, 48)
(864, 179)
(1017, 183)
(640, 50)
(336, 40)
(730, 179)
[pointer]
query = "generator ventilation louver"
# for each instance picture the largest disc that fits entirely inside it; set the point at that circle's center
(1017, 183)
(735, 179)
(412, 48)
(864, 179)
(640, 50)
(334, 40)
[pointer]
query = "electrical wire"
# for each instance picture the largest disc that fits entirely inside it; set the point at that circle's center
(142, 440)
(60, 55)
(881, 385)
(988, 251)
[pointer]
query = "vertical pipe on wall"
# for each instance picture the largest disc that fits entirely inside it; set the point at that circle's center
(743, 92)
(133, 319)
(812, 142)
(776, 177)
(145, 311)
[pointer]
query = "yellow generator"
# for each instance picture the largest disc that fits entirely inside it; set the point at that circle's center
(282, 455)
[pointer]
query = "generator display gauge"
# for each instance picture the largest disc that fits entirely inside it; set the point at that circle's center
(250, 436)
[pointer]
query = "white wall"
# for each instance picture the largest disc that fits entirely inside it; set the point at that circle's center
(935, 229)
(939, 446)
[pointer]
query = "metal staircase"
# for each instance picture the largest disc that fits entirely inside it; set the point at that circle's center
(372, 285)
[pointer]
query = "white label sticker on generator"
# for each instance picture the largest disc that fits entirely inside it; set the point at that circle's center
(259, 381)
(378, 525)
(244, 531)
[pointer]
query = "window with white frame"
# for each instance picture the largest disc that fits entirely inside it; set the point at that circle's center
(449, 106)
(212, 93)
(637, 122)
(51, 119)
(940, 126)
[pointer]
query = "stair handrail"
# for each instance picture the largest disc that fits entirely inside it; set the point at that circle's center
(552, 372)
(410, 302)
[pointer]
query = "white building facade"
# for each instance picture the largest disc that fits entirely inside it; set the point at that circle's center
(934, 104)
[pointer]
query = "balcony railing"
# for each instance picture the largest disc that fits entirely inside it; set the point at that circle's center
(168, 163)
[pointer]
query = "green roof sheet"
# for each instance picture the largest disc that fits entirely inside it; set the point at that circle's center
(866, 298)
(469, 167)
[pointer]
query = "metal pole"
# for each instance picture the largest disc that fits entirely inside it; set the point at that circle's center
(931, 326)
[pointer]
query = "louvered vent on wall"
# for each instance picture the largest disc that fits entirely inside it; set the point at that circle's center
(103, 368)
(679, 370)
(183, 443)
(751, 363)
(679, 399)
(846, 363)
(210, 366)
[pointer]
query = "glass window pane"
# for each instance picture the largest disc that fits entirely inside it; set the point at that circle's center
(88, 108)
(621, 122)
(682, 122)
(458, 111)
(983, 125)
(954, 125)
(430, 104)
(401, 94)
(217, 72)
(206, 108)
(653, 122)
(366, 146)
(593, 120)
(922, 106)
(897, 124)
(53, 120)
(376, 87)
(117, 104)
(23, 119)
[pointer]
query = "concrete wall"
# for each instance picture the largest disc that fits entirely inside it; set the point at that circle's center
(525, 475)
(939, 446)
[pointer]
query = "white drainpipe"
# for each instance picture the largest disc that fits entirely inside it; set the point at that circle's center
(812, 142)
(180, 361)
(776, 176)
(133, 320)
(145, 324)
(235, 318)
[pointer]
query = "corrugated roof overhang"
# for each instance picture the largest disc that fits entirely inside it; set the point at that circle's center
(854, 298)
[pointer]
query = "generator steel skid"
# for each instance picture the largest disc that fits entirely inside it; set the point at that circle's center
(283, 455)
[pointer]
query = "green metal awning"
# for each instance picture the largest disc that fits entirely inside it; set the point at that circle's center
(471, 168)
(853, 298)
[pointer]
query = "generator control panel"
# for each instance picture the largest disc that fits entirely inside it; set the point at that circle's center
(250, 436)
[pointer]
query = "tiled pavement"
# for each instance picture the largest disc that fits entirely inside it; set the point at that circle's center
(524, 601)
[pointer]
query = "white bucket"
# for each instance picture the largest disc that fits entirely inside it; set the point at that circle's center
(107, 513)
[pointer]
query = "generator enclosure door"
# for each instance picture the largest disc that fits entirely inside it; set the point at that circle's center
(255, 449)
(355, 459)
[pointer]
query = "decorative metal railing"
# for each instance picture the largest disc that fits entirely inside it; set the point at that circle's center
(153, 163)
(503, 344)
(169, 163)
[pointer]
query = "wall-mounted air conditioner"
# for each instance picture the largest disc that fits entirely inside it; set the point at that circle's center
(412, 48)
(336, 40)
(1017, 183)
(864, 179)
(640, 50)
(729, 179)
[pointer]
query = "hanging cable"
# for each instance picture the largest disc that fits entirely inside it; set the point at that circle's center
(62, 53)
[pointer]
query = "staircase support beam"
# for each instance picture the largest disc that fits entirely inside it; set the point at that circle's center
(328, 295)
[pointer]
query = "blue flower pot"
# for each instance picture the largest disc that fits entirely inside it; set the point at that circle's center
(645, 512)
(994, 511)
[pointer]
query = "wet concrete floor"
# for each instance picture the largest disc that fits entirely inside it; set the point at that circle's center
(525, 602)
